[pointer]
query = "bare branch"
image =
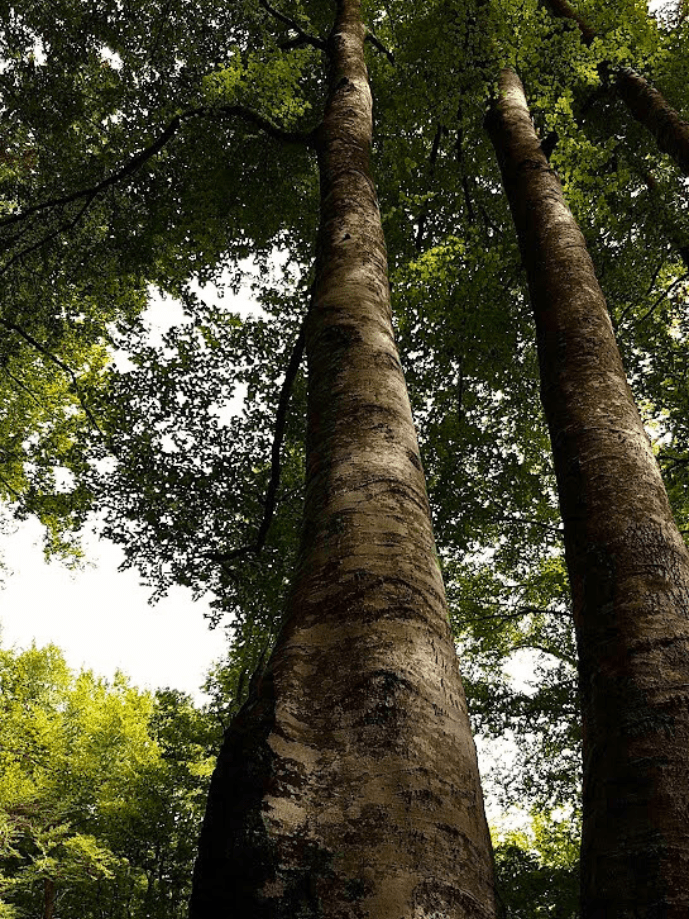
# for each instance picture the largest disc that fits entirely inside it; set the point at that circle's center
(379, 46)
(270, 500)
(303, 37)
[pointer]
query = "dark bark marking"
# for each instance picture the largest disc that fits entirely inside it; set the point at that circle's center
(415, 460)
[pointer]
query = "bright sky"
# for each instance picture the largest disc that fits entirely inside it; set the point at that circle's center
(100, 616)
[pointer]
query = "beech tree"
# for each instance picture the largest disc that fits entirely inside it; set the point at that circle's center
(628, 564)
(188, 118)
(324, 773)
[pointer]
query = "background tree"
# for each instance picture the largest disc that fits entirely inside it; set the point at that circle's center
(101, 792)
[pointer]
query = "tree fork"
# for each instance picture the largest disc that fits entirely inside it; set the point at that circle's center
(348, 785)
(628, 565)
(646, 104)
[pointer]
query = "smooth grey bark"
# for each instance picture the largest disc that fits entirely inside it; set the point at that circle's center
(348, 786)
(628, 565)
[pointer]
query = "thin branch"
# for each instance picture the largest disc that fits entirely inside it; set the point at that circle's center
(661, 299)
(522, 521)
(22, 385)
(655, 276)
(559, 655)
(471, 214)
(305, 38)
(435, 149)
(128, 169)
(143, 156)
(280, 424)
(304, 138)
(9, 487)
(517, 614)
(270, 500)
(668, 221)
(379, 46)
(53, 234)
(674, 461)
(46, 352)
(90, 194)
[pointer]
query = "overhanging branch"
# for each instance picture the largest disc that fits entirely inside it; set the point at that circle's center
(379, 46)
(66, 369)
(143, 156)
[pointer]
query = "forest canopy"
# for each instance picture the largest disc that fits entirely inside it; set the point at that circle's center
(154, 147)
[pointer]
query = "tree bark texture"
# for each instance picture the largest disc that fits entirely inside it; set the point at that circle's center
(646, 104)
(348, 786)
(628, 565)
(650, 109)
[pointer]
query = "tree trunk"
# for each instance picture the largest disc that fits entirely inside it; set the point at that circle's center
(347, 786)
(648, 106)
(628, 565)
(48, 898)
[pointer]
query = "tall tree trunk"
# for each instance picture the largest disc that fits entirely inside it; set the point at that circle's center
(628, 565)
(645, 103)
(348, 783)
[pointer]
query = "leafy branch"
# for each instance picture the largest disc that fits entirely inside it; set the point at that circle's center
(46, 352)
(379, 46)
(519, 613)
(143, 156)
(661, 299)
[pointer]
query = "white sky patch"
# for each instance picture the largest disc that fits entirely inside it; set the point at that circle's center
(111, 57)
(100, 617)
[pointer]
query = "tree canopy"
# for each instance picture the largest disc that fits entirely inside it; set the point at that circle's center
(167, 146)
(102, 789)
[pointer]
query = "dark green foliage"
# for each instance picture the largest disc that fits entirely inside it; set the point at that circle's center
(179, 472)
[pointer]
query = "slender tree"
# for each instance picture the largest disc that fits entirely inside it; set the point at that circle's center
(644, 101)
(628, 565)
